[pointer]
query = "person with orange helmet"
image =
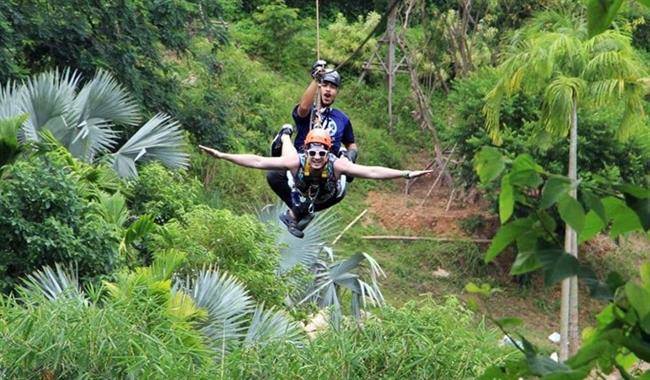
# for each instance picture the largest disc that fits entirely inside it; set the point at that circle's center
(315, 175)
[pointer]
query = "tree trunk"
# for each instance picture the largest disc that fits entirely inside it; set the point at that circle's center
(569, 332)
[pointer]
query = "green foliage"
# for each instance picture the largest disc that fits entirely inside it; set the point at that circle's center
(140, 329)
(602, 158)
(344, 38)
(534, 229)
(163, 194)
(239, 245)
(271, 33)
(126, 38)
(421, 340)
(9, 145)
(44, 218)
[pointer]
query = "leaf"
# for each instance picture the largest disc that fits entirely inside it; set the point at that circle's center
(645, 2)
(506, 235)
(525, 262)
(638, 298)
(638, 199)
(645, 275)
(622, 217)
(139, 229)
(571, 212)
(589, 352)
(600, 14)
(565, 266)
(488, 163)
(525, 162)
(593, 225)
(594, 203)
(159, 139)
(506, 199)
(525, 178)
(554, 189)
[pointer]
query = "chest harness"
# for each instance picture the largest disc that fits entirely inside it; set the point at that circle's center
(309, 186)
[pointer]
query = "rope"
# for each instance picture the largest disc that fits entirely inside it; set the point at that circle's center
(317, 108)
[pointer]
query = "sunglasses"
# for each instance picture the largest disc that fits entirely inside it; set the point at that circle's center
(321, 153)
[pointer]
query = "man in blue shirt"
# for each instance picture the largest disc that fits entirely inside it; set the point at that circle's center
(306, 116)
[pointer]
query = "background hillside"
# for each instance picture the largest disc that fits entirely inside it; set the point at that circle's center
(127, 253)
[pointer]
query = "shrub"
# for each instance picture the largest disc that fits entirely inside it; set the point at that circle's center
(239, 245)
(44, 218)
(163, 194)
(140, 331)
(421, 340)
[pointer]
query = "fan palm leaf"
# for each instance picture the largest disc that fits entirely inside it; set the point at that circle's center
(294, 251)
(269, 325)
(52, 284)
(160, 139)
(47, 99)
(227, 303)
(99, 104)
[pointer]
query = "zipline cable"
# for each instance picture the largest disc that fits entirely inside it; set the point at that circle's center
(381, 22)
(383, 19)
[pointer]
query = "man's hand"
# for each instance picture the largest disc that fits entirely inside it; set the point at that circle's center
(212, 152)
(416, 173)
(318, 69)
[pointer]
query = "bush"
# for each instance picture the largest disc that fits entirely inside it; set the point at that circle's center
(140, 335)
(239, 245)
(44, 218)
(163, 194)
(421, 340)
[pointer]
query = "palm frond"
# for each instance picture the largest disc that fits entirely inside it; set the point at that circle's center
(329, 278)
(9, 146)
(9, 105)
(112, 208)
(294, 251)
(558, 104)
(104, 98)
(227, 303)
(47, 99)
(160, 139)
(99, 104)
(269, 325)
(52, 283)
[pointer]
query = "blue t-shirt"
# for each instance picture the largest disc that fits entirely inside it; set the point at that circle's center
(334, 120)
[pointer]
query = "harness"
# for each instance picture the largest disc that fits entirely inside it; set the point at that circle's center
(309, 187)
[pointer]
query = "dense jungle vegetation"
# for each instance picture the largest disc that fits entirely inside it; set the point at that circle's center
(127, 253)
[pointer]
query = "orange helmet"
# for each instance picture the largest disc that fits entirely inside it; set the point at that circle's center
(319, 136)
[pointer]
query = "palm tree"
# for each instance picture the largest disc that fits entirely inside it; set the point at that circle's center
(553, 56)
(330, 276)
(84, 120)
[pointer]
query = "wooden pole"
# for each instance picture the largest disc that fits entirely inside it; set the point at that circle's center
(390, 63)
(352, 223)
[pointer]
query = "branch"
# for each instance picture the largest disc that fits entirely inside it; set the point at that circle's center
(352, 223)
(440, 239)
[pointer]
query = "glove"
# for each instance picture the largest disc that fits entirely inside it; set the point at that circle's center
(352, 155)
(317, 69)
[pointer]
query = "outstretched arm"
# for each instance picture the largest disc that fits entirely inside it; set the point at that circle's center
(375, 172)
(254, 161)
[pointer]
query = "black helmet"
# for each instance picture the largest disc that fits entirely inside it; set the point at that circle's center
(332, 77)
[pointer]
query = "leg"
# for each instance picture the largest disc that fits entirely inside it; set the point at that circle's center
(277, 144)
(277, 180)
